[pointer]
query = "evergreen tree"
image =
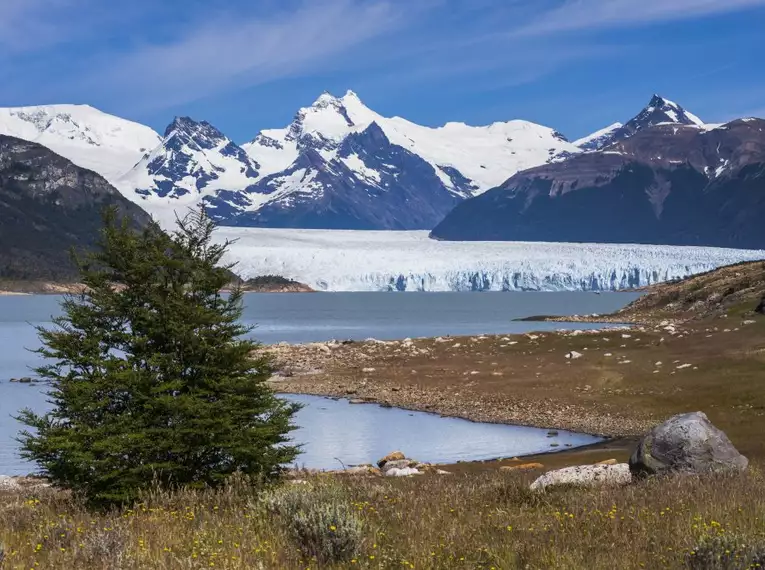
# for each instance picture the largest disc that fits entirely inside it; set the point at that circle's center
(152, 377)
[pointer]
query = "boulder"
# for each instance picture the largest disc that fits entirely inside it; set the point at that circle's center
(403, 472)
(686, 443)
(360, 470)
(394, 456)
(761, 307)
(585, 476)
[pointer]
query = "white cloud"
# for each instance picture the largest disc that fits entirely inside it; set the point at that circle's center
(588, 14)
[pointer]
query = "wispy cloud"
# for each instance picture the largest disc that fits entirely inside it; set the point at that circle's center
(589, 14)
(245, 51)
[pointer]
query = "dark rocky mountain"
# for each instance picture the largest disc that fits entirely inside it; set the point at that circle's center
(47, 206)
(667, 184)
(369, 184)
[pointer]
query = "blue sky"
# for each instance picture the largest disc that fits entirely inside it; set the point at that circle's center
(245, 65)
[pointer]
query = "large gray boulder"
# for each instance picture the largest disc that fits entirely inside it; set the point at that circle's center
(585, 476)
(687, 443)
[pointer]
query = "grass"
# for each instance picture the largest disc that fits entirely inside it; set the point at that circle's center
(485, 520)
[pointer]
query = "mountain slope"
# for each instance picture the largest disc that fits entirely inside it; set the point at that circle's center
(667, 184)
(48, 205)
(365, 183)
(88, 137)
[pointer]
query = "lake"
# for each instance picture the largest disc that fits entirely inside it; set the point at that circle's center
(329, 429)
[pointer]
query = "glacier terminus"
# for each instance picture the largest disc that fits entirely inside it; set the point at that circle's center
(350, 260)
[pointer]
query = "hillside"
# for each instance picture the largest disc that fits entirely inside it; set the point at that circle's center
(668, 184)
(47, 206)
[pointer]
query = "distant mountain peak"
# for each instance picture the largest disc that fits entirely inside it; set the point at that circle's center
(659, 111)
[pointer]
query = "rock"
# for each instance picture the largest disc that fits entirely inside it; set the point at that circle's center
(585, 476)
(442, 472)
(25, 380)
(394, 456)
(357, 401)
(761, 307)
(8, 483)
(574, 355)
(552, 433)
(607, 462)
(686, 443)
(405, 472)
(522, 467)
(399, 464)
(14, 379)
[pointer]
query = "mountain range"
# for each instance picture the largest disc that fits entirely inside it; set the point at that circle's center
(663, 176)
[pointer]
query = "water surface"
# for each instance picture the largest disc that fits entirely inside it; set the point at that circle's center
(354, 434)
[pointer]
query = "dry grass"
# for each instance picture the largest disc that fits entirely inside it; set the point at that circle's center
(484, 520)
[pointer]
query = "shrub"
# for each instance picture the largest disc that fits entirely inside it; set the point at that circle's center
(726, 552)
(320, 519)
(152, 377)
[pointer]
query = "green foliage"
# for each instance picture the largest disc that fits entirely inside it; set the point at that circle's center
(320, 519)
(726, 552)
(153, 380)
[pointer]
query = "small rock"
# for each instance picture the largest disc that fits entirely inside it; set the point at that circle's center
(393, 456)
(25, 380)
(367, 370)
(442, 472)
(585, 476)
(574, 355)
(8, 483)
(684, 366)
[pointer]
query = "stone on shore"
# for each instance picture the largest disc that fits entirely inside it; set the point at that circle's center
(686, 443)
(585, 476)
(394, 456)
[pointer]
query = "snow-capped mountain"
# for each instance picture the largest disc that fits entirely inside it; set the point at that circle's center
(88, 137)
(191, 165)
(337, 165)
(659, 111)
(483, 156)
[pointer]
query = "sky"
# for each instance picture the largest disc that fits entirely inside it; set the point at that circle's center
(247, 65)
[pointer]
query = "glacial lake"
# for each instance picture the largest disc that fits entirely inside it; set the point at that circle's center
(329, 429)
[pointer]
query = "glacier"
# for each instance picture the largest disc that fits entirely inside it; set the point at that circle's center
(352, 260)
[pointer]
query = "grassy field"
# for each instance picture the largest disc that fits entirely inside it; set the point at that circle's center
(485, 520)
(712, 359)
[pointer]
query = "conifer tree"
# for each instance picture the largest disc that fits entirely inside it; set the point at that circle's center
(153, 379)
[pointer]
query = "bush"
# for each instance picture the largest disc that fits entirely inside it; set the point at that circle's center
(320, 519)
(726, 552)
(153, 380)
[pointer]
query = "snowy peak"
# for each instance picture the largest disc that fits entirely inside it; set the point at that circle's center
(194, 160)
(659, 111)
(88, 137)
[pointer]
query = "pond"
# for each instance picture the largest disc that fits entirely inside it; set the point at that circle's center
(335, 430)
(336, 433)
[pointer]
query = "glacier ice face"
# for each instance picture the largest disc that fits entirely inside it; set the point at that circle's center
(347, 260)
